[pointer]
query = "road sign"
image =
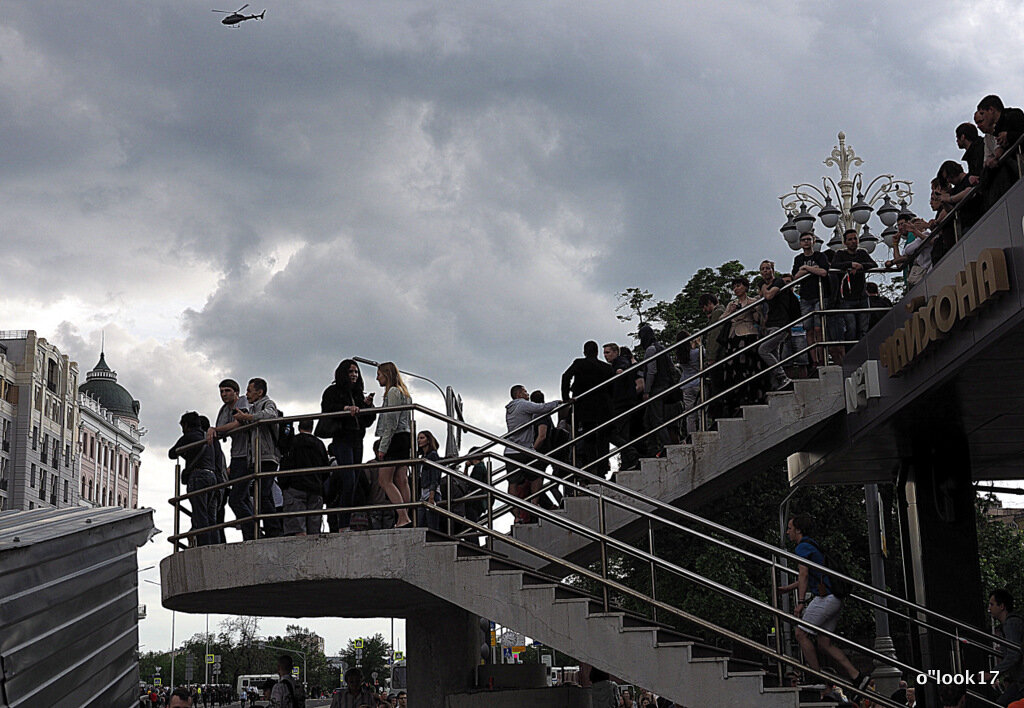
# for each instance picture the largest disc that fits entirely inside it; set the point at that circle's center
(157, 669)
(157, 681)
(190, 660)
(546, 660)
(373, 675)
(216, 658)
(399, 655)
(216, 667)
(358, 643)
(295, 671)
(209, 658)
(506, 655)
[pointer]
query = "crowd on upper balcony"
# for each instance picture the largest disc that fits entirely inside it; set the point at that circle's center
(625, 403)
(968, 192)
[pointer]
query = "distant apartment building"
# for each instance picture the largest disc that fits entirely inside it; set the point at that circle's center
(109, 438)
(39, 420)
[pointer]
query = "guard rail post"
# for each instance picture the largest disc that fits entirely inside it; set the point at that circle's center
(177, 503)
(650, 545)
(257, 491)
(604, 549)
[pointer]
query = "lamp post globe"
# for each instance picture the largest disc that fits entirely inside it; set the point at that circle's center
(888, 212)
(828, 214)
(804, 220)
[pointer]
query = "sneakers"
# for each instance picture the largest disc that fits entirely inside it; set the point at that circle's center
(787, 385)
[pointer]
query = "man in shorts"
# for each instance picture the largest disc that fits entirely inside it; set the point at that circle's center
(822, 609)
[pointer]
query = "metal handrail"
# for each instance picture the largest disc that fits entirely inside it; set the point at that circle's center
(630, 506)
(706, 402)
(608, 584)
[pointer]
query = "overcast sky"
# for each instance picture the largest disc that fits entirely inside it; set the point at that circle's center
(460, 187)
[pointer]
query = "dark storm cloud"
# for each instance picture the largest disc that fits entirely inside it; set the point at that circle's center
(460, 187)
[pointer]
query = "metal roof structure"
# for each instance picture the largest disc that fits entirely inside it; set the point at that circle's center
(68, 606)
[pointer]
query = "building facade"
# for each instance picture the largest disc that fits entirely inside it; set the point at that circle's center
(109, 440)
(39, 420)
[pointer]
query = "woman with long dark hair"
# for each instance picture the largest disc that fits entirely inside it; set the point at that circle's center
(346, 433)
(429, 479)
(394, 428)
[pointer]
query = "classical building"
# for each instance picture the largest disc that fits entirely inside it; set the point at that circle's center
(39, 417)
(109, 439)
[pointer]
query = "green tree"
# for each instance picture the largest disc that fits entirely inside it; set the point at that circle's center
(636, 303)
(683, 312)
(376, 653)
(1000, 552)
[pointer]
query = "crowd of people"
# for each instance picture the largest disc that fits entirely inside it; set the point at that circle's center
(971, 192)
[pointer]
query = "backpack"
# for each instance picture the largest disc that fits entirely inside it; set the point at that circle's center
(296, 691)
(283, 434)
(840, 588)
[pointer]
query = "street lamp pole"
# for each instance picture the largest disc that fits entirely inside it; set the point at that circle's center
(848, 214)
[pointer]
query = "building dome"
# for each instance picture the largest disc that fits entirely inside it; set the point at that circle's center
(101, 384)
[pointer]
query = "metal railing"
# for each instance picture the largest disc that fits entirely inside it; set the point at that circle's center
(958, 633)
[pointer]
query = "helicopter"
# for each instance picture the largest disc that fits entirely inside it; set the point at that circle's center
(233, 18)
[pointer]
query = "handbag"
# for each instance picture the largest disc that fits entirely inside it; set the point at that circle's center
(327, 428)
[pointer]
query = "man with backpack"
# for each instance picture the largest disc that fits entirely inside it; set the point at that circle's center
(822, 608)
(286, 693)
(304, 492)
(261, 407)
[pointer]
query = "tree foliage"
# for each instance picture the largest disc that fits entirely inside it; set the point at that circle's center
(1000, 552)
(376, 653)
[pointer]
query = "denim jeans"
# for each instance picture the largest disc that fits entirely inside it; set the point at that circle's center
(770, 350)
(341, 486)
(240, 497)
(272, 528)
(855, 324)
(203, 512)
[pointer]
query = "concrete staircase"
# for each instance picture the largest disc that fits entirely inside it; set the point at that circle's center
(691, 475)
(409, 572)
(673, 665)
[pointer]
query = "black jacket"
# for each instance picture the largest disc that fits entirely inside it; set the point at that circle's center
(199, 457)
(306, 451)
(581, 376)
(335, 398)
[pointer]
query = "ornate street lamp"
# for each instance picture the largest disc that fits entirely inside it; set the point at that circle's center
(847, 214)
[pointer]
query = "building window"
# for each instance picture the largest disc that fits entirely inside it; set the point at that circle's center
(83, 489)
(42, 485)
(32, 479)
(56, 454)
(92, 447)
(67, 455)
(65, 491)
(51, 375)
(44, 453)
(3, 473)
(35, 437)
(53, 490)
(89, 497)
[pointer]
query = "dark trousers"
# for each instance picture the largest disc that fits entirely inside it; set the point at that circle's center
(341, 485)
(592, 446)
(620, 434)
(272, 528)
(240, 497)
(203, 513)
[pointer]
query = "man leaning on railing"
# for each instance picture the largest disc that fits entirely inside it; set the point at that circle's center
(197, 475)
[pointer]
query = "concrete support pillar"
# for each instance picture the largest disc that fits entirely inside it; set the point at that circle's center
(940, 542)
(443, 650)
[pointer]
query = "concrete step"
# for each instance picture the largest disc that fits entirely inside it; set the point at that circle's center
(700, 472)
